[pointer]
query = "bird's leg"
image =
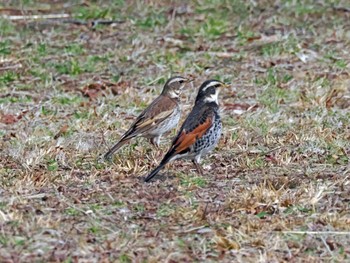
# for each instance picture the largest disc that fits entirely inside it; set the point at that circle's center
(155, 142)
(198, 167)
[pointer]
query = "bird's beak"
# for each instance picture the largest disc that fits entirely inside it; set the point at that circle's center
(189, 80)
(226, 85)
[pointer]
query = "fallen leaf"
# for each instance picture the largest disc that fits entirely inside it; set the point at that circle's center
(271, 158)
(93, 90)
(8, 118)
(62, 131)
(226, 244)
(250, 39)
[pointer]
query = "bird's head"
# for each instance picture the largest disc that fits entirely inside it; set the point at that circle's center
(174, 86)
(209, 91)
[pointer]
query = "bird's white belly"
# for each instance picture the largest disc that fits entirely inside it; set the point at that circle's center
(167, 124)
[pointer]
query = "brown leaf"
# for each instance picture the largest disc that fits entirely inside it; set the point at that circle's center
(118, 88)
(62, 131)
(93, 90)
(8, 118)
(271, 158)
(226, 244)
(250, 39)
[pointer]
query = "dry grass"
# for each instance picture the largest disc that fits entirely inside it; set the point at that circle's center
(277, 187)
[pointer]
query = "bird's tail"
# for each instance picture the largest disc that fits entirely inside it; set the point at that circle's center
(165, 160)
(116, 147)
(154, 172)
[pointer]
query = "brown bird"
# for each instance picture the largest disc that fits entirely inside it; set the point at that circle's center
(201, 130)
(162, 115)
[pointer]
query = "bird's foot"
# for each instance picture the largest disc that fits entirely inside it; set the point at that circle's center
(198, 168)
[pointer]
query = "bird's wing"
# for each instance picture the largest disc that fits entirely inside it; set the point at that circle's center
(160, 109)
(195, 126)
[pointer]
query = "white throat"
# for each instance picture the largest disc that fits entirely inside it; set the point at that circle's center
(174, 94)
(212, 98)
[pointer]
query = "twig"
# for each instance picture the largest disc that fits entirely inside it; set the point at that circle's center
(18, 93)
(316, 232)
(326, 245)
(341, 8)
(36, 17)
(35, 196)
(48, 17)
(204, 215)
(272, 150)
(193, 229)
(153, 81)
(52, 8)
(16, 66)
(92, 23)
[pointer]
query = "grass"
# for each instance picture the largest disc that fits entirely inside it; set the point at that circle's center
(275, 189)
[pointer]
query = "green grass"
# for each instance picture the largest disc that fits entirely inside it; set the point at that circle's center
(275, 188)
(5, 47)
(8, 77)
(189, 181)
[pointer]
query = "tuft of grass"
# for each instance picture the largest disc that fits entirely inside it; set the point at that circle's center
(8, 77)
(189, 181)
(165, 210)
(152, 20)
(5, 47)
(214, 28)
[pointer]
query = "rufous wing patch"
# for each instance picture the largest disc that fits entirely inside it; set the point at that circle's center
(185, 140)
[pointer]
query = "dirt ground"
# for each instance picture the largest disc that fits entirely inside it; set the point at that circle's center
(73, 77)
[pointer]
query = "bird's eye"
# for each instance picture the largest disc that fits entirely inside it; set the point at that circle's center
(181, 81)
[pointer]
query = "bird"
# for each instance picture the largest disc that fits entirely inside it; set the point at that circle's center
(162, 115)
(200, 132)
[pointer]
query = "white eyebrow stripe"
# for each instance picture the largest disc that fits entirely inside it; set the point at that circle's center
(176, 80)
(212, 83)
